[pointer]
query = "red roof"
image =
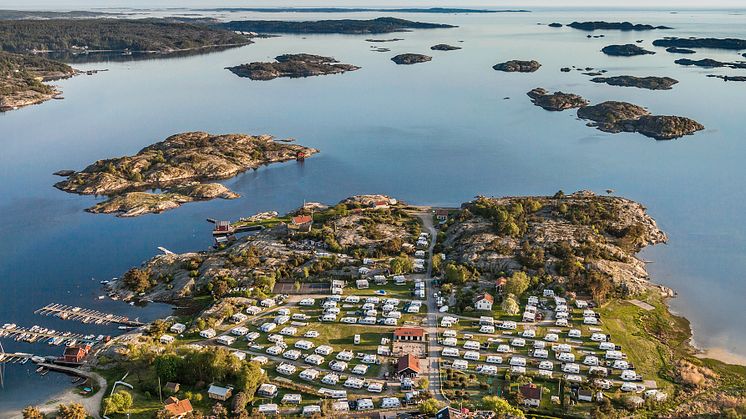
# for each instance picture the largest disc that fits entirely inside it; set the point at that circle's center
(530, 391)
(409, 331)
(408, 361)
(485, 296)
(441, 211)
(302, 219)
(178, 407)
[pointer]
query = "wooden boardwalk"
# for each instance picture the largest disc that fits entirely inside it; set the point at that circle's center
(85, 315)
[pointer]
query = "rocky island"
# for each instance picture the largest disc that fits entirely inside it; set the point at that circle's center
(444, 47)
(177, 166)
(409, 58)
(615, 117)
(650, 83)
(626, 50)
(79, 36)
(622, 26)
(677, 50)
(714, 43)
(727, 78)
(557, 101)
(517, 66)
(23, 77)
(293, 66)
(344, 26)
(709, 63)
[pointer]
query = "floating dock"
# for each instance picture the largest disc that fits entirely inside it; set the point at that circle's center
(85, 315)
(15, 358)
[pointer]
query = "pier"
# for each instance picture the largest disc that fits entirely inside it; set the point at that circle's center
(84, 315)
(14, 358)
(39, 334)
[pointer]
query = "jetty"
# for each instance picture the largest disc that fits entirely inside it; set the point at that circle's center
(36, 334)
(85, 315)
(14, 358)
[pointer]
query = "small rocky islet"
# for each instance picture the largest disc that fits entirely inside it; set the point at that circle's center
(411, 58)
(727, 78)
(712, 43)
(517, 66)
(444, 47)
(615, 117)
(709, 63)
(625, 50)
(292, 66)
(557, 101)
(677, 50)
(650, 83)
(179, 166)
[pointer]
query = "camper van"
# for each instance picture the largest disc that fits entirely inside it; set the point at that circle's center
(345, 355)
(304, 344)
(517, 369)
(471, 344)
(390, 322)
(291, 354)
(274, 350)
(487, 329)
(573, 378)
(365, 404)
(328, 318)
(546, 365)
(349, 320)
(375, 387)
(574, 333)
(330, 379)
(519, 342)
(598, 337)
(541, 353)
(471, 355)
(565, 357)
(529, 333)
(311, 334)
(360, 369)
(390, 403)
(629, 375)
(356, 340)
(450, 352)
(571, 368)
(307, 302)
(324, 350)
(510, 325)
(314, 359)
(620, 365)
(450, 342)
(518, 360)
(487, 369)
(590, 360)
(562, 347)
(309, 374)
(288, 331)
(551, 337)
(494, 359)
(631, 387)
(286, 369)
(606, 346)
(267, 327)
(352, 299)
(353, 382)
(614, 355)
(338, 366)
(503, 348)
(449, 333)
(460, 364)
(367, 320)
(598, 371)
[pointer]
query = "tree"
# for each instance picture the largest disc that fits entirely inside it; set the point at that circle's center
(72, 411)
(517, 284)
(510, 305)
(401, 265)
(423, 383)
(137, 280)
(219, 411)
(436, 261)
(240, 400)
(118, 402)
(249, 379)
(168, 366)
(457, 273)
(31, 412)
(501, 407)
(430, 407)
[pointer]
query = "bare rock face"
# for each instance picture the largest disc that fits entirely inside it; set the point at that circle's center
(650, 83)
(409, 58)
(550, 234)
(517, 66)
(627, 50)
(293, 66)
(178, 165)
(618, 117)
(557, 101)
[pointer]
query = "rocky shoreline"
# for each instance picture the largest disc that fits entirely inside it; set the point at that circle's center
(23, 80)
(410, 58)
(517, 66)
(292, 66)
(557, 101)
(178, 166)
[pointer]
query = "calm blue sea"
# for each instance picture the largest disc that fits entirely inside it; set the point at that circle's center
(434, 133)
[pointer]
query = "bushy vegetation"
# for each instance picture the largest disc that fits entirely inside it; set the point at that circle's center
(22, 72)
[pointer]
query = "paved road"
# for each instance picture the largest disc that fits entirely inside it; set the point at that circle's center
(431, 323)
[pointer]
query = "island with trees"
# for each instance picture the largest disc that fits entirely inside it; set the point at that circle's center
(621, 26)
(293, 66)
(179, 166)
(344, 26)
(23, 79)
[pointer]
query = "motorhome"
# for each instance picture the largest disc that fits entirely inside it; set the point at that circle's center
(291, 354)
(571, 368)
(450, 352)
(541, 353)
(487, 329)
(330, 379)
(309, 374)
(460, 364)
(565, 357)
(390, 403)
(314, 359)
(494, 359)
(304, 344)
(471, 355)
(591, 360)
(518, 360)
(599, 337)
(472, 344)
(546, 365)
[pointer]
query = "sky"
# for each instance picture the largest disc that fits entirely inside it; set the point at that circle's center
(87, 4)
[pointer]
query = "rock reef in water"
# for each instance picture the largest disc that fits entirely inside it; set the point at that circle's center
(555, 25)
(715, 43)
(178, 166)
(676, 50)
(651, 83)
(517, 66)
(615, 117)
(622, 26)
(444, 47)
(409, 58)
(293, 66)
(557, 101)
(626, 50)
(708, 63)
(384, 40)
(727, 78)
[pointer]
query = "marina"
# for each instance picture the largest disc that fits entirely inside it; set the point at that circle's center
(88, 316)
(38, 334)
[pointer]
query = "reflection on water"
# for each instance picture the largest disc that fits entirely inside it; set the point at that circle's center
(433, 133)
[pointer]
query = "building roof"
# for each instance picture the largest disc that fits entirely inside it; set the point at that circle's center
(441, 211)
(408, 361)
(409, 331)
(530, 391)
(485, 296)
(302, 219)
(171, 386)
(217, 390)
(178, 407)
(75, 351)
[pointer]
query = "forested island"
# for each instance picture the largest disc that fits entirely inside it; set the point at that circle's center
(82, 35)
(621, 26)
(23, 77)
(344, 26)
(445, 10)
(179, 167)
